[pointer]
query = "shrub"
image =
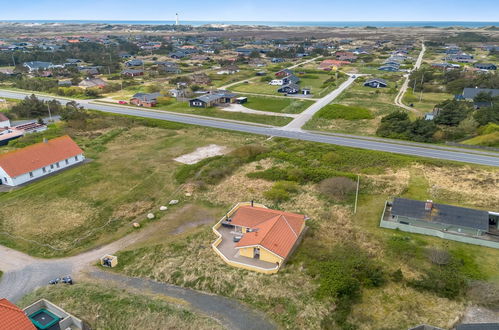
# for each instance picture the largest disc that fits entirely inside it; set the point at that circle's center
(281, 191)
(337, 188)
(445, 281)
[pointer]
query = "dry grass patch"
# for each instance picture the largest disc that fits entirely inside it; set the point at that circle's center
(394, 306)
(465, 185)
(31, 220)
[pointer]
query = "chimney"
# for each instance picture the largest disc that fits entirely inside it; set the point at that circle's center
(428, 206)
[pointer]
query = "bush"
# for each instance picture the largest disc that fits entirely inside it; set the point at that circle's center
(445, 281)
(281, 191)
(337, 188)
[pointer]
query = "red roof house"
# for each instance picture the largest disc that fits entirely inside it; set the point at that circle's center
(272, 230)
(13, 318)
(26, 164)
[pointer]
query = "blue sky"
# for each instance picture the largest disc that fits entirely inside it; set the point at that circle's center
(256, 10)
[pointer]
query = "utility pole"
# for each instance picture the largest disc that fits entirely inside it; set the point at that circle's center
(421, 94)
(13, 59)
(356, 195)
(50, 114)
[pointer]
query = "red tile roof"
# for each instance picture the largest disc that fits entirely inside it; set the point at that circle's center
(3, 117)
(13, 318)
(274, 230)
(38, 155)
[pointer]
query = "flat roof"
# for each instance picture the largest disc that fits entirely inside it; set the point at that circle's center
(442, 213)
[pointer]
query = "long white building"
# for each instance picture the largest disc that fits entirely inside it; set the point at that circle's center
(35, 161)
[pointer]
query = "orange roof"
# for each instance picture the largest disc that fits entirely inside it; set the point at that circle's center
(274, 230)
(3, 117)
(38, 155)
(12, 317)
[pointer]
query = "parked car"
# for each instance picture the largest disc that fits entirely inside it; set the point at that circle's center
(237, 238)
(55, 281)
(122, 102)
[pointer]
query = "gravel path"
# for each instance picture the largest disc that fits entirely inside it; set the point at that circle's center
(231, 313)
(23, 274)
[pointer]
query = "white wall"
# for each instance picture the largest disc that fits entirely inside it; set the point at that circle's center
(5, 123)
(23, 178)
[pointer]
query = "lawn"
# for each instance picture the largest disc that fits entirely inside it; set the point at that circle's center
(378, 102)
(274, 104)
(183, 107)
(316, 81)
(131, 174)
(338, 111)
(105, 307)
(428, 100)
(188, 260)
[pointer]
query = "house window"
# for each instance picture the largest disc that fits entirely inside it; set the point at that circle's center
(76, 157)
(44, 170)
(51, 166)
(67, 162)
(30, 174)
(5, 180)
(57, 164)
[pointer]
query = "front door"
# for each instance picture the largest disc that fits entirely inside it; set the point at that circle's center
(256, 253)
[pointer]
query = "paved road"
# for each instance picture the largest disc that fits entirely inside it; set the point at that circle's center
(424, 150)
(405, 85)
(231, 313)
(23, 274)
(306, 115)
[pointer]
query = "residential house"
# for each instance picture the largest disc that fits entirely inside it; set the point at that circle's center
(12, 317)
(230, 69)
(89, 70)
(37, 160)
(46, 315)
(37, 65)
(257, 238)
(178, 55)
(389, 68)
(440, 217)
(145, 100)
(134, 62)
(4, 121)
(284, 73)
(485, 66)
(376, 83)
(132, 72)
(289, 89)
(277, 60)
(469, 94)
(92, 83)
(213, 99)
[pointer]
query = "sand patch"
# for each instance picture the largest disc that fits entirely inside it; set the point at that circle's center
(201, 153)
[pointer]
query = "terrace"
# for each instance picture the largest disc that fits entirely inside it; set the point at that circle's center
(227, 250)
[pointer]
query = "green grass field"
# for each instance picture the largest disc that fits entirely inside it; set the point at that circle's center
(183, 107)
(428, 100)
(131, 174)
(274, 104)
(378, 102)
(338, 111)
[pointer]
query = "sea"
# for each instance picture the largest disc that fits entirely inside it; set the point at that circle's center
(339, 24)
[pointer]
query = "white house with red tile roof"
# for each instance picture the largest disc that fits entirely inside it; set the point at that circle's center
(37, 160)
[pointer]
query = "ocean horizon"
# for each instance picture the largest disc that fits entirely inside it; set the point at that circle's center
(378, 24)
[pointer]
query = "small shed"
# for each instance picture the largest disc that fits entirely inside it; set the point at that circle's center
(109, 261)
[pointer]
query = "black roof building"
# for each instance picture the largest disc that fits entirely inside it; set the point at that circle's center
(478, 326)
(470, 93)
(441, 213)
